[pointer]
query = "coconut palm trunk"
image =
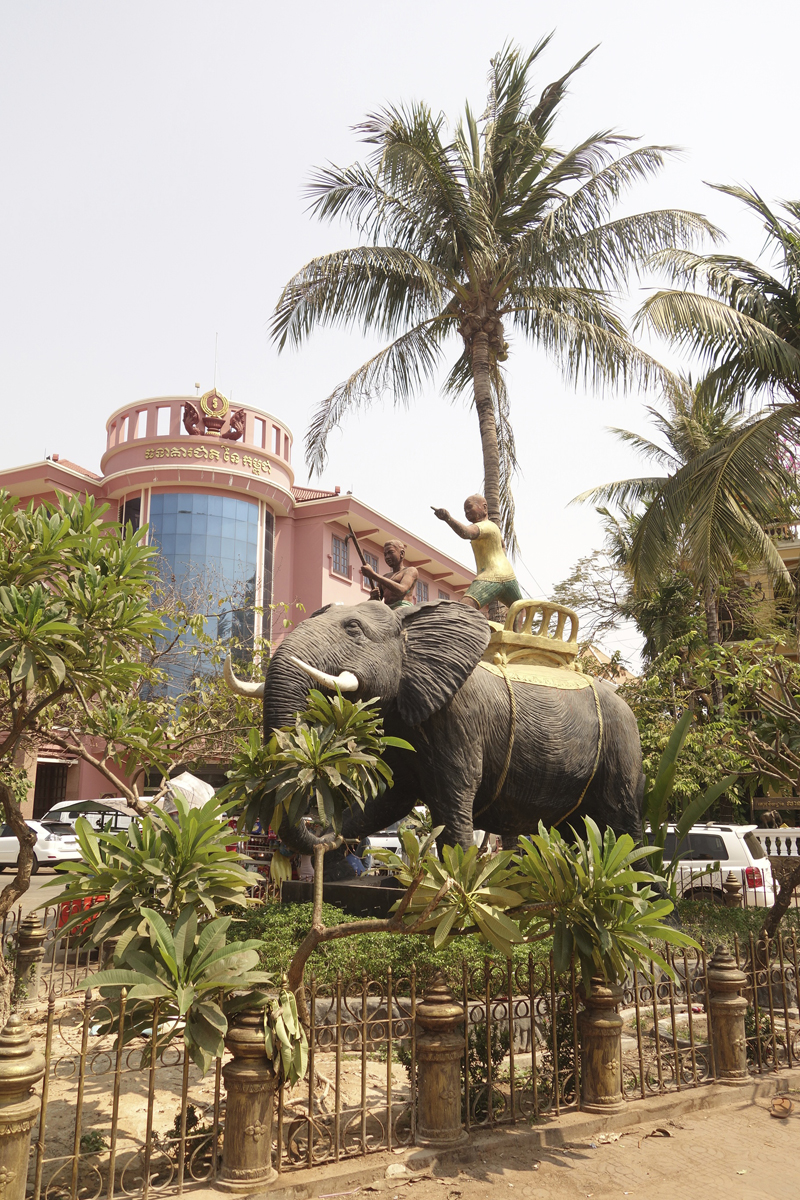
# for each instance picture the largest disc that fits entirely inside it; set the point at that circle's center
(484, 407)
(712, 633)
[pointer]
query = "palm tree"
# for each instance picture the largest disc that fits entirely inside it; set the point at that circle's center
(707, 534)
(745, 327)
(465, 237)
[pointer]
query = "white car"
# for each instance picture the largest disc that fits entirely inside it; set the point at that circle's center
(49, 849)
(384, 839)
(734, 848)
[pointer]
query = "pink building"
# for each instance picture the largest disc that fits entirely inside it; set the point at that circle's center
(217, 491)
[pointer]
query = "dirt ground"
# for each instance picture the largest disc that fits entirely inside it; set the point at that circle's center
(724, 1154)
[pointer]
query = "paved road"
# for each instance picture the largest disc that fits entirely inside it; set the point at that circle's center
(37, 893)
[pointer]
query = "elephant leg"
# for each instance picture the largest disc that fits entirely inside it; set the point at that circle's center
(453, 766)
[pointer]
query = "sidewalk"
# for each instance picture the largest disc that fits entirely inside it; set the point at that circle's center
(710, 1143)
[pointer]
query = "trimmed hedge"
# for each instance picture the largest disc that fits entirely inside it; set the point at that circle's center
(713, 923)
(281, 927)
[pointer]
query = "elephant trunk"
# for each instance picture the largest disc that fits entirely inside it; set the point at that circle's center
(286, 690)
(299, 837)
(293, 671)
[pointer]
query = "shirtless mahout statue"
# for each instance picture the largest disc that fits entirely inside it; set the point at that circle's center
(398, 583)
(496, 579)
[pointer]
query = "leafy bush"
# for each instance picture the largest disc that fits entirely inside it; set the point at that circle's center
(714, 923)
(187, 969)
(158, 863)
(330, 759)
(603, 910)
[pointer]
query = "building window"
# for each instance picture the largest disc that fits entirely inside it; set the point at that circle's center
(269, 542)
(443, 595)
(422, 592)
(339, 556)
(131, 511)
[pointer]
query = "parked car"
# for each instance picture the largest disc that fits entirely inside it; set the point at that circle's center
(724, 848)
(49, 850)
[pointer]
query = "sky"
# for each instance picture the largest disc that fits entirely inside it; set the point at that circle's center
(155, 157)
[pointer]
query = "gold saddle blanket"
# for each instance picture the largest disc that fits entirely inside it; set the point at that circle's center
(563, 678)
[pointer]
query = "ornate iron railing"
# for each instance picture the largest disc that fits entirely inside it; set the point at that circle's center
(132, 1117)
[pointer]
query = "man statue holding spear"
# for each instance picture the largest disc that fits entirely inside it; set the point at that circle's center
(396, 586)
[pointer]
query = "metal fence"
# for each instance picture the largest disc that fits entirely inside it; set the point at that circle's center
(66, 961)
(121, 1116)
(131, 1116)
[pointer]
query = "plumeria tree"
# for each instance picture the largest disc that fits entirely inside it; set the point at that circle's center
(75, 618)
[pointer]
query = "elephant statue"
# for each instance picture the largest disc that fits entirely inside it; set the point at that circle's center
(559, 755)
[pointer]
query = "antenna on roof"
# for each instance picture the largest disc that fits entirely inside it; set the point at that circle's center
(216, 344)
(197, 385)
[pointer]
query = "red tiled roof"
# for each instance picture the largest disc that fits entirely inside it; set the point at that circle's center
(65, 462)
(303, 493)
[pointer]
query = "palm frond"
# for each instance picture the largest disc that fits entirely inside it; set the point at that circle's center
(595, 354)
(377, 287)
(646, 447)
(603, 256)
(400, 368)
(624, 492)
(734, 280)
(718, 497)
(754, 357)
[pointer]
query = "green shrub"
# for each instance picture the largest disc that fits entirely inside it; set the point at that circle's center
(281, 928)
(714, 924)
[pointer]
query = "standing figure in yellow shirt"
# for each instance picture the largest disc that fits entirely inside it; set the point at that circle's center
(496, 579)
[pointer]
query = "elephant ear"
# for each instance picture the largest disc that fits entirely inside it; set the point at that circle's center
(442, 644)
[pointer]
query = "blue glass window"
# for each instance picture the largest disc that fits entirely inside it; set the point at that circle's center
(422, 592)
(208, 548)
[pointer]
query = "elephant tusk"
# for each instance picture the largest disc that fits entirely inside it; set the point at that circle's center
(345, 681)
(243, 687)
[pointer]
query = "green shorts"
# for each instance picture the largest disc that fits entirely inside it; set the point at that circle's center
(402, 604)
(486, 591)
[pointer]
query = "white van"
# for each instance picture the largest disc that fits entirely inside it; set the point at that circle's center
(725, 848)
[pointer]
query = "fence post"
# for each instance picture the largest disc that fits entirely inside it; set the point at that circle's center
(728, 1008)
(30, 952)
(440, 1049)
(601, 1049)
(250, 1084)
(732, 887)
(21, 1067)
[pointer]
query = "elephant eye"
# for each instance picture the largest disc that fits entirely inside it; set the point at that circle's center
(354, 629)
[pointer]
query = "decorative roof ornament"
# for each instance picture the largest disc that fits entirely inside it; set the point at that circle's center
(210, 417)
